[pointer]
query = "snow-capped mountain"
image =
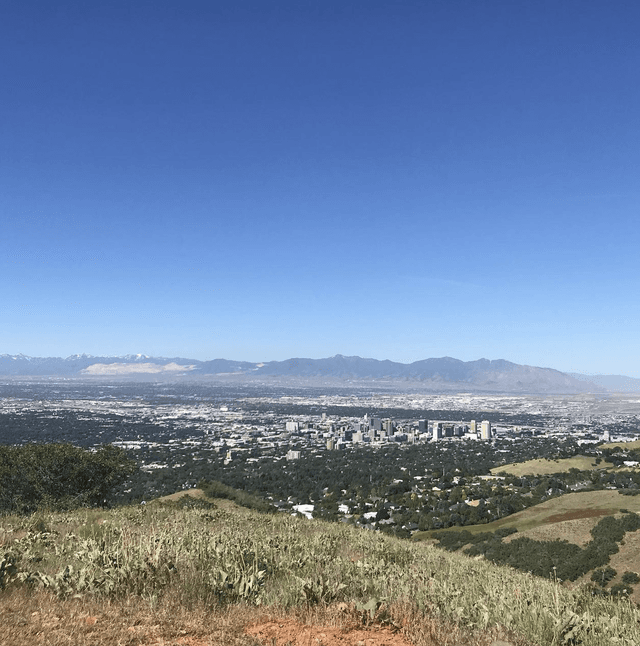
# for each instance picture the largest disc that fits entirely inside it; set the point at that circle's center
(437, 373)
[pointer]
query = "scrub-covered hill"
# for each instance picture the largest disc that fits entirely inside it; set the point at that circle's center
(197, 555)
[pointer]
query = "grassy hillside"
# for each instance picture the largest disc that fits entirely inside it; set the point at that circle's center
(545, 466)
(582, 504)
(622, 445)
(171, 559)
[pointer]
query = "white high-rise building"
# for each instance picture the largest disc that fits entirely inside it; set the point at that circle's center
(485, 429)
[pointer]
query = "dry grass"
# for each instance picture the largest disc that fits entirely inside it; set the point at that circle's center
(40, 618)
(193, 493)
(543, 467)
(571, 506)
(622, 445)
(37, 617)
(168, 570)
(576, 531)
(582, 504)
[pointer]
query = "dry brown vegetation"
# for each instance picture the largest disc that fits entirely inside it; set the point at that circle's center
(546, 466)
(582, 504)
(164, 574)
(39, 617)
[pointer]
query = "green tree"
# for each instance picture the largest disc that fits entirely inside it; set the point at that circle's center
(60, 476)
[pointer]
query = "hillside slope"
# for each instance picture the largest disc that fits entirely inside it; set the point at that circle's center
(206, 555)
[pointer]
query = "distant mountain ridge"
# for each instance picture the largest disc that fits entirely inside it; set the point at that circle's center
(438, 373)
(614, 383)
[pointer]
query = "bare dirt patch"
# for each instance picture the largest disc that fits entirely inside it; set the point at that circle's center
(576, 531)
(279, 633)
(577, 513)
(341, 625)
(39, 618)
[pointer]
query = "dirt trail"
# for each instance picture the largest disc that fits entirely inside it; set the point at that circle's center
(288, 632)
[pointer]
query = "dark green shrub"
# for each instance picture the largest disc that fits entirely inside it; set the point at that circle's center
(215, 489)
(631, 522)
(505, 531)
(621, 590)
(609, 529)
(602, 576)
(60, 476)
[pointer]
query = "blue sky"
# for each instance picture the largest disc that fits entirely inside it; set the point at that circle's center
(260, 180)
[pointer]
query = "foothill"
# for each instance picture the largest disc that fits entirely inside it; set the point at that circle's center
(393, 472)
(398, 462)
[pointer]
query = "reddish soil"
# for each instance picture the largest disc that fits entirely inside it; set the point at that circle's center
(578, 513)
(39, 618)
(292, 633)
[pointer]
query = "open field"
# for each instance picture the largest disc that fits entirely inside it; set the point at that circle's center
(570, 518)
(160, 573)
(541, 467)
(545, 466)
(622, 445)
(571, 506)
(578, 531)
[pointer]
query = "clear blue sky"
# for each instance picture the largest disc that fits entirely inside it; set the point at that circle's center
(259, 180)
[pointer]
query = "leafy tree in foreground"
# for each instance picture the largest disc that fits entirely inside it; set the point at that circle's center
(60, 476)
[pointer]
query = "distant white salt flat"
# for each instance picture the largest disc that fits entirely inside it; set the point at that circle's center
(130, 368)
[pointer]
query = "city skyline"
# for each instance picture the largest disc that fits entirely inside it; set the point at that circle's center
(258, 182)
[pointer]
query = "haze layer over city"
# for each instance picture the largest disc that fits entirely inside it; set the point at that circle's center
(338, 452)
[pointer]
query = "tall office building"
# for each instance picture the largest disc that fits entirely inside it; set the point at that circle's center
(485, 429)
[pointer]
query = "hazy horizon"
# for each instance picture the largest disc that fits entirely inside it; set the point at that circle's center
(298, 356)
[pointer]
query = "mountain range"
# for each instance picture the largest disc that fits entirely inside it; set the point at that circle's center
(443, 373)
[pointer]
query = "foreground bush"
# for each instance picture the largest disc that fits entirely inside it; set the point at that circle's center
(60, 476)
